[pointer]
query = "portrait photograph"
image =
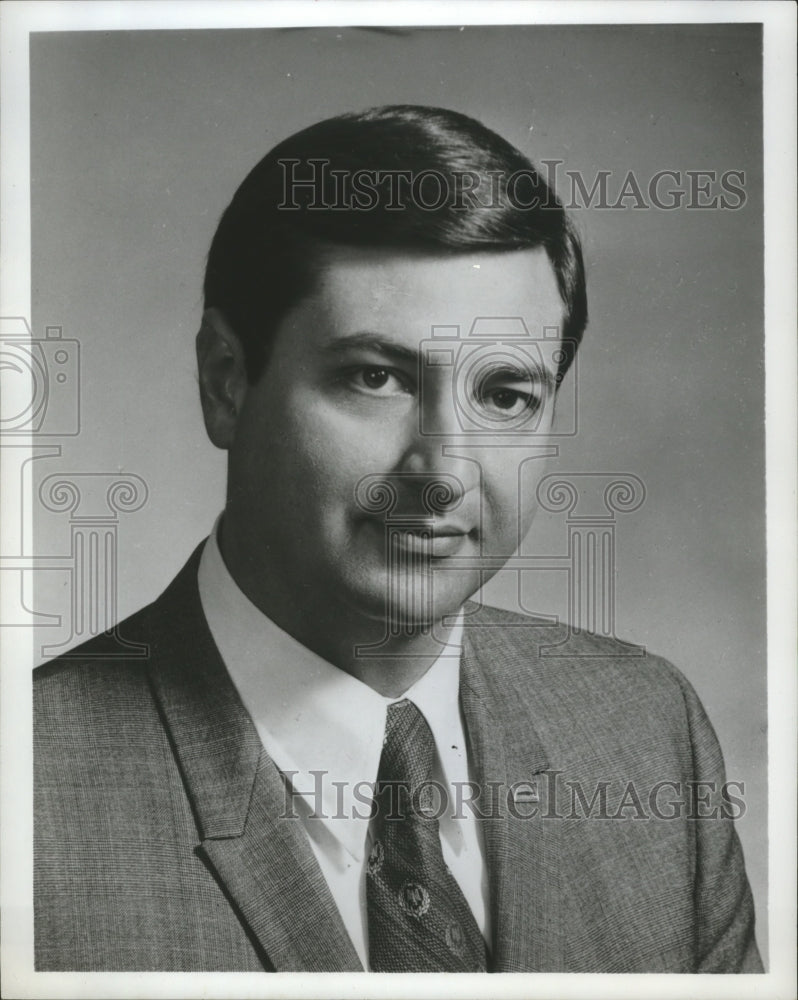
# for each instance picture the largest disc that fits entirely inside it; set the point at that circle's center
(398, 530)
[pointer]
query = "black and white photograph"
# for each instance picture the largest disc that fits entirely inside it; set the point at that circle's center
(398, 526)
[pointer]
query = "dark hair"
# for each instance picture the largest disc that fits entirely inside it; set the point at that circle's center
(345, 181)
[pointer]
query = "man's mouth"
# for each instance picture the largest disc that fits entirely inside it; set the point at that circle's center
(433, 541)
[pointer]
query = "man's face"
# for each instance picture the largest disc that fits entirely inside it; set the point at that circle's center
(349, 400)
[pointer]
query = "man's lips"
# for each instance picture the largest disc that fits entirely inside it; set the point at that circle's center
(431, 537)
(435, 541)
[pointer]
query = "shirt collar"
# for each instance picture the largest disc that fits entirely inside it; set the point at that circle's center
(322, 727)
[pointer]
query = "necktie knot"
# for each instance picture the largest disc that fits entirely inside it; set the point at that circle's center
(408, 751)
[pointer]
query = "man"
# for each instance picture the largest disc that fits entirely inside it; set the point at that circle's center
(331, 759)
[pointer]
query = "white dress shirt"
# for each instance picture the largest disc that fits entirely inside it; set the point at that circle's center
(313, 717)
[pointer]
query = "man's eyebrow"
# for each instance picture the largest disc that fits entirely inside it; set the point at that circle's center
(370, 342)
(521, 373)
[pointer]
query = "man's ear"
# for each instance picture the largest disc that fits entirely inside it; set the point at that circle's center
(222, 377)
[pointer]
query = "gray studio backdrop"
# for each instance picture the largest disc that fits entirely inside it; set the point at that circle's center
(140, 138)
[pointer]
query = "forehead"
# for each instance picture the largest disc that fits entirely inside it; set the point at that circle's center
(405, 295)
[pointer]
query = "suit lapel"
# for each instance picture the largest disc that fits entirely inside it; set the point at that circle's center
(522, 853)
(263, 861)
(272, 876)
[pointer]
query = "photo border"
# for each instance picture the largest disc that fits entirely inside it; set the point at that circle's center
(17, 21)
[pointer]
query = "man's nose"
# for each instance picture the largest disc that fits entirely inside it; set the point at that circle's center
(436, 451)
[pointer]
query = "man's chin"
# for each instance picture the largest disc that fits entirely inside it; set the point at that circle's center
(407, 611)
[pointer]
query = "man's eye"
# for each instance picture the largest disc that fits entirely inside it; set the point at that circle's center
(504, 401)
(375, 378)
(378, 381)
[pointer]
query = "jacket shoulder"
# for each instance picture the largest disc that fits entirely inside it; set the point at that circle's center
(529, 656)
(100, 661)
(102, 687)
(127, 651)
(540, 636)
(87, 699)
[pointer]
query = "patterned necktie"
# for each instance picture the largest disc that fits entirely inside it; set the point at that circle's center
(418, 918)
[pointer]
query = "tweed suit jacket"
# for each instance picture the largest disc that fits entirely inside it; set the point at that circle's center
(159, 843)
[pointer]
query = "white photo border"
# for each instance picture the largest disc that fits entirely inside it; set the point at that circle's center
(17, 21)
